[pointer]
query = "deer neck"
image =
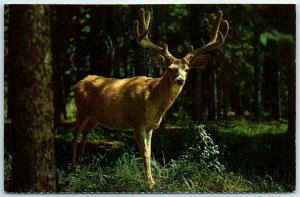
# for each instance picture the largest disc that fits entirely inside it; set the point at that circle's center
(162, 95)
(166, 92)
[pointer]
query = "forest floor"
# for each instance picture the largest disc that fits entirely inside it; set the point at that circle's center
(253, 156)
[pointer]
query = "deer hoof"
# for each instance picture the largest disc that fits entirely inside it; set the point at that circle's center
(150, 183)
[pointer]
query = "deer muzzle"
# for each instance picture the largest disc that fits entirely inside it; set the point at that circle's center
(179, 81)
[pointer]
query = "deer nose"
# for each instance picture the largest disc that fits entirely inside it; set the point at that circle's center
(179, 81)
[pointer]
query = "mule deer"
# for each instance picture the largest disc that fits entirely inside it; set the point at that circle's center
(139, 103)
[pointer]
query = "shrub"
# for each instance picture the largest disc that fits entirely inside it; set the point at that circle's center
(202, 149)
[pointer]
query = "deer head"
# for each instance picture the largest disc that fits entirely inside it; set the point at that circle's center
(178, 69)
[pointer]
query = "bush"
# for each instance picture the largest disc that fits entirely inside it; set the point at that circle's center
(202, 149)
(190, 142)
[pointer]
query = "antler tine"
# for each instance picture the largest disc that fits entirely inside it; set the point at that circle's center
(217, 38)
(136, 31)
(216, 24)
(225, 27)
(140, 31)
(144, 19)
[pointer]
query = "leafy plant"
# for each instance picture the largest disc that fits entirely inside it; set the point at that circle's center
(202, 149)
(7, 166)
(275, 35)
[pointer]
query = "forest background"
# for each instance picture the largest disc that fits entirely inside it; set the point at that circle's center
(245, 96)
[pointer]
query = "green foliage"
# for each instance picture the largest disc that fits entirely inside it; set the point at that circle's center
(202, 149)
(126, 175)
(7, 166)
(276, 36)
(179, 11)
(71, 109)
(242, 147)
(247, 128)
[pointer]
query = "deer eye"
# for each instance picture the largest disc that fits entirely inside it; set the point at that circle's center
(175, 71)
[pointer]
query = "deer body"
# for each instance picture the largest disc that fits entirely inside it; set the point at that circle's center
(139, 103)
(125, 103)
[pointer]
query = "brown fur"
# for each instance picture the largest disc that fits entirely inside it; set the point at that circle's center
(124, 103)
(137, 103)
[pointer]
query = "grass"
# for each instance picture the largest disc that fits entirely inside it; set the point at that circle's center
(125, 175)
(246, 128)
(252, 153)
(246, 148)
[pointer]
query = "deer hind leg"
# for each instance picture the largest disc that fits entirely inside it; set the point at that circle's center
(91, 124)
(80, 125)
(143, 139)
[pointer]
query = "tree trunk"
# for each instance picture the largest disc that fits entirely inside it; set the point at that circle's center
(291, 133)
(195, 84)
(33, 168)
(212, 92)
(257, 79)
(276, 86)
(95, 38)
(58, 51)
(271, 83)
(80, 45)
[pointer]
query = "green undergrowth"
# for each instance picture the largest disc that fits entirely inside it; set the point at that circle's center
(126, 175)
(247, 128)
(212, 158)
(204, 164)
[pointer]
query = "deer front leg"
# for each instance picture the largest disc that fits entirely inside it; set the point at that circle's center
(143, 139)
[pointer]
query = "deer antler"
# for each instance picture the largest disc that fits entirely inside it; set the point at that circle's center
(217, 39)
(140, 31)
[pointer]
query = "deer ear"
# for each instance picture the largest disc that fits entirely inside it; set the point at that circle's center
(199, 61)
(158, 60)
